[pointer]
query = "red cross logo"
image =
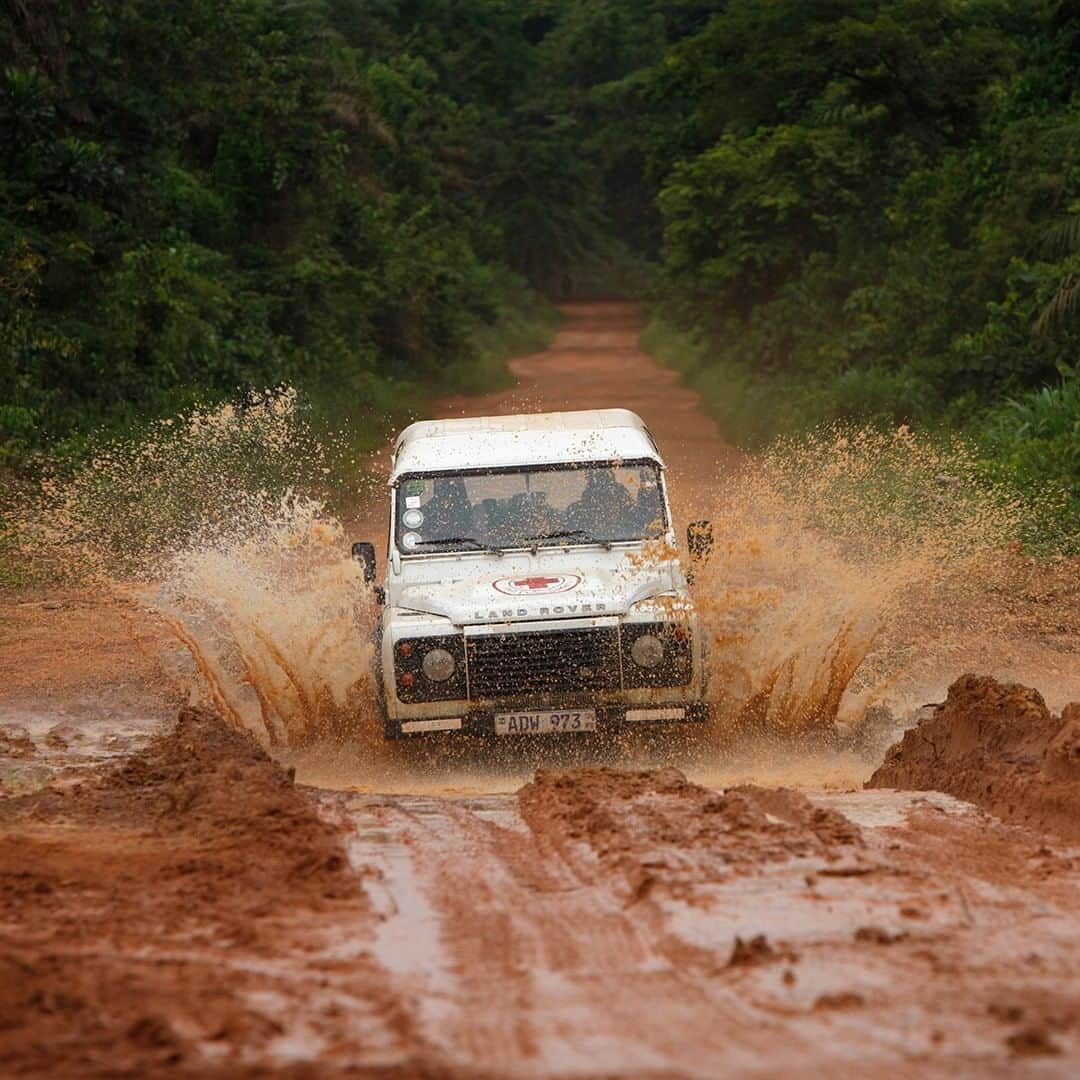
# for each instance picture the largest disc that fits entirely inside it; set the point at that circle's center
(541, 583)
(537, 582)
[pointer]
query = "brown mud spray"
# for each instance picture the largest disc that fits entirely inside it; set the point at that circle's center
(819, 543)
(217, 521)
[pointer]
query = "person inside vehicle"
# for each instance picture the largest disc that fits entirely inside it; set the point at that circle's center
(530, 515)
(605, 510)
(648, 511)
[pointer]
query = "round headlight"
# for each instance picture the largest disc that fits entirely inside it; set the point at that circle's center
(647, 651)
(438, 665)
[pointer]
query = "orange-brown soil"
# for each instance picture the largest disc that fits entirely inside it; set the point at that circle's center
(998, 746)
(172, 902)
(184, 909)
(64, 644)
(189, 911)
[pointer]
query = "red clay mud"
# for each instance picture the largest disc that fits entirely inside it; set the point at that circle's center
(188, 910)
(206, 781)
(596, 925)
(656, 829)
(998, 746)
(172, 911)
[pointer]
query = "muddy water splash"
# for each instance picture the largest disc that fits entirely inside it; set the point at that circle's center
(203, 519)
(214, 521)
(819, 543)
(276, 622)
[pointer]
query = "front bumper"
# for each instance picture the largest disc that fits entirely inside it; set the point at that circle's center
(609, 717)
(556, 665)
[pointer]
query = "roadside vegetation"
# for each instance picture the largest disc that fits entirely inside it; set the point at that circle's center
(871, 211)
(856, 210)
(198, 199)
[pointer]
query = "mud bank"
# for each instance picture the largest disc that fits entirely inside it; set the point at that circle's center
(998, 746)
(648, 830)
(207, 782)
(172, 912)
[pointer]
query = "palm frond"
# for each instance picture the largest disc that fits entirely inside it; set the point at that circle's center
(1064, 237)
(1062, 307)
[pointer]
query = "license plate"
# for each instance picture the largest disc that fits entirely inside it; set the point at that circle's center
(545, 723)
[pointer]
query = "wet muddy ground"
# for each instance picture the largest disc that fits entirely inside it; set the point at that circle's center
(173, 901)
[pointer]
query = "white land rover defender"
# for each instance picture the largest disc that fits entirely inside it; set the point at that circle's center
(532, 582)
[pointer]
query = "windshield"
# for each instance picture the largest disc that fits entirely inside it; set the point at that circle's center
(506, 508)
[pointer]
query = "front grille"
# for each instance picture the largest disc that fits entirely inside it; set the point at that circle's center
(540, 662)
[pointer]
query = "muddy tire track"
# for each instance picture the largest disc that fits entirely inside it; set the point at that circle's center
(781, 934)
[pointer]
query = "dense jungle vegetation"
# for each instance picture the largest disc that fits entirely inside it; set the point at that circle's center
(865, 208)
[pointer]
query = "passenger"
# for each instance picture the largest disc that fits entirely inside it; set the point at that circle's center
(605, 510)
(487, 517)
(649, 513)
(530, 515)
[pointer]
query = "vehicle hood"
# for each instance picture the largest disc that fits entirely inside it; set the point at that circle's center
(506, 591)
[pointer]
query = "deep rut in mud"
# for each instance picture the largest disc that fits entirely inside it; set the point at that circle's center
(175, 901)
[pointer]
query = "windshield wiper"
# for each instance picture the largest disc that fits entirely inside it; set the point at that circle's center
(479, 544)
(566, 534)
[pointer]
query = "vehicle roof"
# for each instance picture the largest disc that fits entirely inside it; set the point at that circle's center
(524, 439)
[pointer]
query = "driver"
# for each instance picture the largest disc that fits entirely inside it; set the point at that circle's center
(648, 511)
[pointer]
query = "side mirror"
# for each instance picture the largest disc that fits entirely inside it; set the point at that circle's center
(364, 554)
(699, 539)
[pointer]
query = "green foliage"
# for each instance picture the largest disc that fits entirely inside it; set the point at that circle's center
(870, 211)
(853, 208)
(753, 408)
(525, 323)
(865, 185)
(1029, 444)
(201, 198)
(1034, 439)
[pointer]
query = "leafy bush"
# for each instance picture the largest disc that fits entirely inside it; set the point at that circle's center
(752, 407)
(1028, 444)
(1034, 439)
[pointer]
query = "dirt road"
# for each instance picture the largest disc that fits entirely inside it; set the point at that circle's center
(594, 363)
(174, 902)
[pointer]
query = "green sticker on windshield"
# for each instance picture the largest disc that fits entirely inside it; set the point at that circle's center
(414, 487)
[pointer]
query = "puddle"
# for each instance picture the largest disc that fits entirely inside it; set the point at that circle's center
(884, 808)
(407, 941)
